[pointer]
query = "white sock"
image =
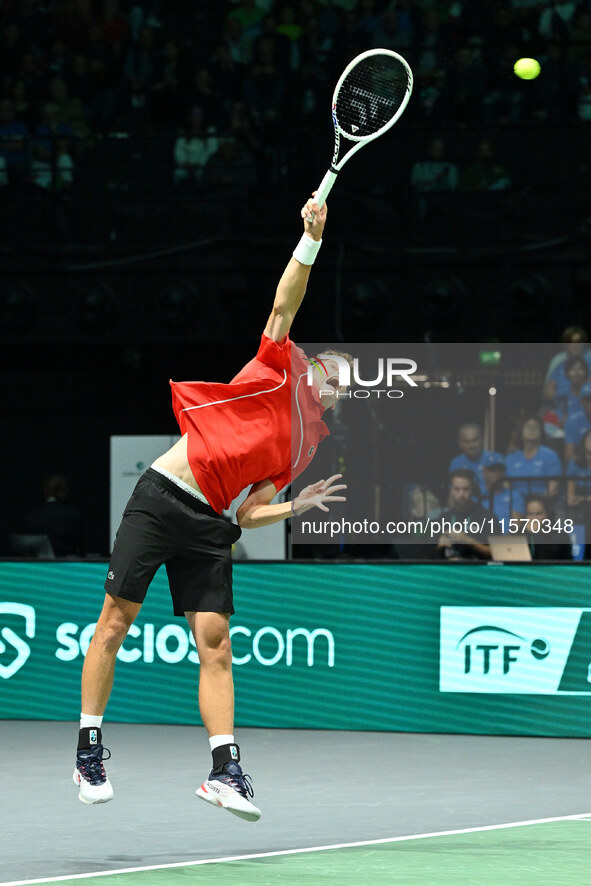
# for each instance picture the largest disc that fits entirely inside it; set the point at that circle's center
(90, 720)
(216, 741)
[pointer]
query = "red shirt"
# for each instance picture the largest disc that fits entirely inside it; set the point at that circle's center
(265, 425)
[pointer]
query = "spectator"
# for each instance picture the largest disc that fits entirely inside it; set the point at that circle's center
(463, 509)
(422, 502)
(576, 372)
(500, 500)
(241, 127)
(226, 73)
(545, 542)
(505, 98)
(264, 87)
(485, 173)
(584, 99)
(430, 56)
(556, 384)
(369, 17)
(315, 52)
(104, 62)
(429, 68)
(52, 163)
(193, 149)
(72, 23)
(503, 29)
(558, 88)
(140, 68)
(555, 19)
(249, 14)
(56, 519)
(32, 75)
(205, 93)
(580, 36)
(289, 27)
(69, 110)
(282, 45)
(57, 62)
(577, 424)
(89, 80)
(13, 144)
(113, 24)
(31, 19)
(238, 43)
(431, 178)
(232, 169)
(465, 86)
(11, 49)
(396, 30)
(144, 12)
(166, 98)
(578, 492)
(473, 454)
(578, 489)
(531, 467)
(349, 41)
(80, 83)
(23, 106)
(435, 172)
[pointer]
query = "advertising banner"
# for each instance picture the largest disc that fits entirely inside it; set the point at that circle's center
(533, 650)
(383, 646)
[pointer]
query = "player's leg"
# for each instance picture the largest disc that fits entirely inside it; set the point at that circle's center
(141, 545)
(216, 685)
(98, 671)
(227, 786)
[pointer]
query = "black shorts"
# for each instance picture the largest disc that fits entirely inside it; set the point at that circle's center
(163, 524)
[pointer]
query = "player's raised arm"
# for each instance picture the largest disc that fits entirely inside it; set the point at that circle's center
(293, 283)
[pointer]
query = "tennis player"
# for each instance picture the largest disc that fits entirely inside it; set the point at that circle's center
(260, 431)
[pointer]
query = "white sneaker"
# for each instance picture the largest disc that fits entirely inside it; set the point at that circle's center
(90, 776)
(230, 790)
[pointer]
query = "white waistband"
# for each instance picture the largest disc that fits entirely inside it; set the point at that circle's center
(180, 483)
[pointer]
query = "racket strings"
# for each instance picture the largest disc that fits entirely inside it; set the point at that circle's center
(371, 95)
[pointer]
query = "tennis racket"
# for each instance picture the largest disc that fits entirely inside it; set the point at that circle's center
(370, 96)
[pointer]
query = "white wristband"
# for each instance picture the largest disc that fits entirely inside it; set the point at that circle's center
(307, 250)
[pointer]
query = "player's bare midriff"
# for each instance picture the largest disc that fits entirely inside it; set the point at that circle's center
(176, 462)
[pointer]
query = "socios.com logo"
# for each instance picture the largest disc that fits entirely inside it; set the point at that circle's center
(174, 643)
(14, 650)
(509, 649)
(169, 643)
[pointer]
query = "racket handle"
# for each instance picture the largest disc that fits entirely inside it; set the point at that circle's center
(324, 189)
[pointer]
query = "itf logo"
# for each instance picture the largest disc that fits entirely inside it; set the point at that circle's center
(533, 650)
(16, 643)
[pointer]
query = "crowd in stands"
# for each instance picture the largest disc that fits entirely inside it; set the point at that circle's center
(232, 81)
(546, 465)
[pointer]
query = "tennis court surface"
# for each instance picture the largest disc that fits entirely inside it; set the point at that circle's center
(338, 808)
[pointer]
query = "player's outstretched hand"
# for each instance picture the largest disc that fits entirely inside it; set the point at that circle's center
(316, 494)
(314, 218)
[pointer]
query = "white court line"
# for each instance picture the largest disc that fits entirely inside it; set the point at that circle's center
(187, 864)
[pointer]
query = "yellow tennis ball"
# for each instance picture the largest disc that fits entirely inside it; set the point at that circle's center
(527, 68)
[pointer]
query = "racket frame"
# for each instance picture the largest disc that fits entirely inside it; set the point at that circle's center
(336, 165)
